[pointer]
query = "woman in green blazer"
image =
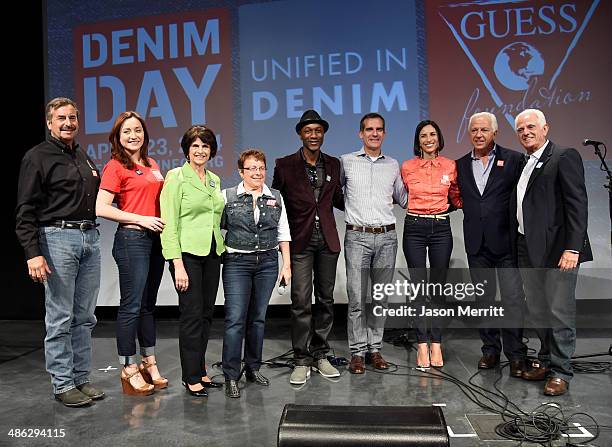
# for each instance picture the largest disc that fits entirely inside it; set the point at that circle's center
(191, 205)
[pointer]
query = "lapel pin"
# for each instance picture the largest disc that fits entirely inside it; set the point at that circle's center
(539, 165)
(500, 163)
(328, 178)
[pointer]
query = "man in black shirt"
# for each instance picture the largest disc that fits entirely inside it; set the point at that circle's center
(56, 226)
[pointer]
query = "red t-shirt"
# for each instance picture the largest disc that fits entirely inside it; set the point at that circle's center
(137, 190)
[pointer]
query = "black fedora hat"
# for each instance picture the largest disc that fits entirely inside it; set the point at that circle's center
(311, 117)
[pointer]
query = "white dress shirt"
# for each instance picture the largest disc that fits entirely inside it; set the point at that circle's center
(521, 187)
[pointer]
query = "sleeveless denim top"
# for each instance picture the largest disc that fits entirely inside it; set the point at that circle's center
(238, 219)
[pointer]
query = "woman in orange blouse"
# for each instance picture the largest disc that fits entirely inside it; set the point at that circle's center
(431, 180)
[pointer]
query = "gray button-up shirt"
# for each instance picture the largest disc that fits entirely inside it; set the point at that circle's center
(480, 171)
(370, 189)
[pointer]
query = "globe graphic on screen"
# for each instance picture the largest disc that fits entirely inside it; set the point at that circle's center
(516, 63)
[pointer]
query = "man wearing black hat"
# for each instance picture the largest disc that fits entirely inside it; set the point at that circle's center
(309, 181)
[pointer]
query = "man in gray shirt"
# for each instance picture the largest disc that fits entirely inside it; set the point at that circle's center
(372, 184)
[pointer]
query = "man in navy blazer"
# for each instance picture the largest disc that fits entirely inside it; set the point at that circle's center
(309, 181)
(487, 176)
(550, 208)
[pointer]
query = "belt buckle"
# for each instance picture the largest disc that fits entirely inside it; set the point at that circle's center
(378, 230)
(83, 226)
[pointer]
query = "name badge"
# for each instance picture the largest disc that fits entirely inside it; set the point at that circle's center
(94, 173)
(157, 175)
(500, 163)
(539, 165)
(138, 172)
(328, 178)
(271, 202)
(445, 180)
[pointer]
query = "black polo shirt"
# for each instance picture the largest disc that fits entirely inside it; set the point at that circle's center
(56, 182)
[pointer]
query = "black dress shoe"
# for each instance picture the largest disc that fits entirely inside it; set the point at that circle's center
(488, 361)
(231, 388)
(198, 393)
(516, 368)
(211, 384)
(256, 377)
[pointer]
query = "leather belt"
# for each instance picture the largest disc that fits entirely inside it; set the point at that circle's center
(73, 224)
(377, 230)
(430, 216)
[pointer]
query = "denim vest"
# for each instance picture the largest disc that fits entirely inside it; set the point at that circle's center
(239, 221)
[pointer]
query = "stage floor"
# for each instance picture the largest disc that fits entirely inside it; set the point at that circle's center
(171, 417)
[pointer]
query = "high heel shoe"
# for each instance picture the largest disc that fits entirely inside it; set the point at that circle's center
(160, 383)
(440, 363)
(198, 393)
(421, 364)
(145, 390)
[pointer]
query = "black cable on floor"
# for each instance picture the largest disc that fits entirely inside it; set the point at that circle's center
(544, 424)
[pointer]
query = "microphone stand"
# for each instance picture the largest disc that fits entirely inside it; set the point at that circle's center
(604, 167)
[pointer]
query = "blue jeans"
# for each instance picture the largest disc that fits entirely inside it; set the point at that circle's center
(71, 292)
(428, 238)
(248, 282)
(370, 259)
(141, 266)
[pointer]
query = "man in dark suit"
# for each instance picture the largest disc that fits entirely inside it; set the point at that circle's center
(550, 205)
(309, 181)
(487, 176)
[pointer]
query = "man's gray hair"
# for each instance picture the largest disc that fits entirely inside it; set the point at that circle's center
(56, 103)
(538, 113)
(490, 116)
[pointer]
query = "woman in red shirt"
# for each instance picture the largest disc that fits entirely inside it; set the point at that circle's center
(431, 180)
(134, 182)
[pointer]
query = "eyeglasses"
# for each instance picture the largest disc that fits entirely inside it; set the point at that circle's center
(312, 176)
(255, 169)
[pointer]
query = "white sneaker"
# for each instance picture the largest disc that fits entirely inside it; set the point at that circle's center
(325, 368)
(300, 375)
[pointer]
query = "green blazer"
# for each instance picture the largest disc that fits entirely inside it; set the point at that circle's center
(192, 211)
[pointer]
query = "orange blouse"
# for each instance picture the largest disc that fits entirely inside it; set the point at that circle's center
(430, 184)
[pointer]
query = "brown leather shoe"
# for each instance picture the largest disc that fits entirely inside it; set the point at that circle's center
(488, 361)
(536, 372)
(517, 368)
(376, 360)
(357, 365)
(555, 387)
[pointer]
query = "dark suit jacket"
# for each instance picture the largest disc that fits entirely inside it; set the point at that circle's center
(291, 180)
(486, 220)
(555, 208)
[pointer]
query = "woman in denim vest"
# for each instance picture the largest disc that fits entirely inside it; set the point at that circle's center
(257, 227)
(191, 205)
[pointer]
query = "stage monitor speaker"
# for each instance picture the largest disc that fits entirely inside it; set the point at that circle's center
(346, 426)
